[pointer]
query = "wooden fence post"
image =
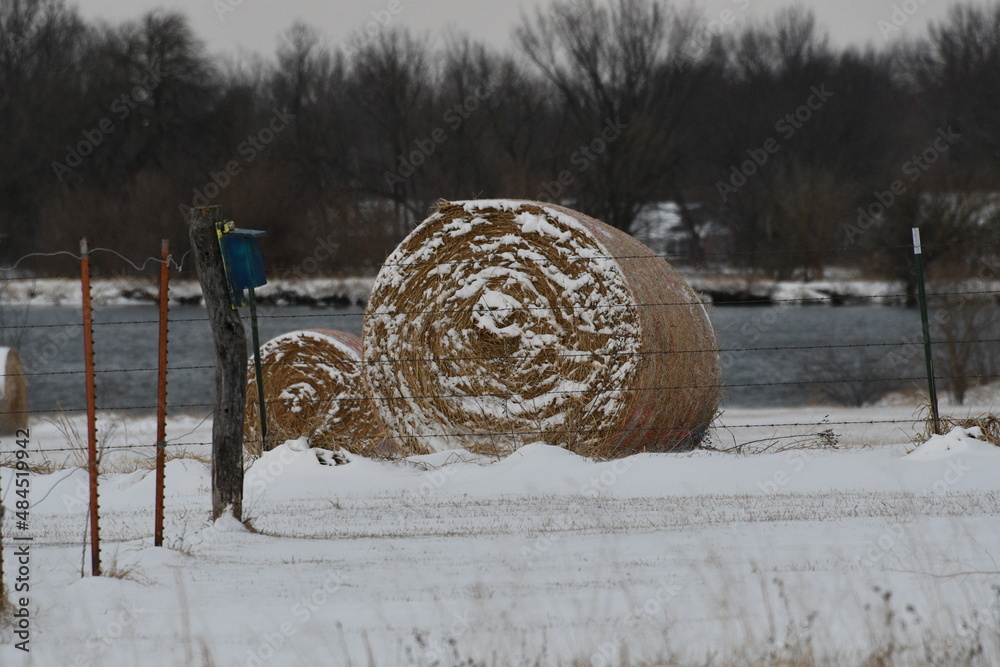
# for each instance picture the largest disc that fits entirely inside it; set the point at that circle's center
(230, 365)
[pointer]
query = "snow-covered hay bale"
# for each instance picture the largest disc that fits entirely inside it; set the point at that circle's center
(13, 393)
(499, 323)
(313, 388)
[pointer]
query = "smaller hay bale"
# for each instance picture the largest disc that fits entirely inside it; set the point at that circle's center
(313, 388)
(13, 393)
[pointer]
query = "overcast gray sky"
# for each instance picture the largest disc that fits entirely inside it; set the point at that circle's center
(228, 25)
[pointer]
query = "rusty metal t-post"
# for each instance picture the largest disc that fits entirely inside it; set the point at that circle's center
(92, 460)
(230, 367)
(161, 394)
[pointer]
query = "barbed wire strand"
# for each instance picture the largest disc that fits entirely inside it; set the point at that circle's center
(179, 265)
(560, 355)
(531, 432)
(667, 257)
(561, 392)
(760, 301)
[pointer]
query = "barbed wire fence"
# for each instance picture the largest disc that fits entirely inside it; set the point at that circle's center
(880, 365)
(728, 353)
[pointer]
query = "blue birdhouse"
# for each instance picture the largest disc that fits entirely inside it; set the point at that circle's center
(242, 259)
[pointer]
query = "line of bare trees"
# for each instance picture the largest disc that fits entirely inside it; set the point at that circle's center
(781, 153)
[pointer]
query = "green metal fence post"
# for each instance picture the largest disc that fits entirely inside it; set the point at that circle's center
(928, 354)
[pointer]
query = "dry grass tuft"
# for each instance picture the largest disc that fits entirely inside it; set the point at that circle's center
(76, 443)
(116, 570)
(149, 462)
(6, 609)
(620, 357)
(989, 424)
(313, 388)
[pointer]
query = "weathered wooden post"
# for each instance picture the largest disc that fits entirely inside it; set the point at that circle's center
(230, 367)
(244, 266)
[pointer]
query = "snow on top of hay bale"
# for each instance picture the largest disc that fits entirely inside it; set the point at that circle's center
(500, 322)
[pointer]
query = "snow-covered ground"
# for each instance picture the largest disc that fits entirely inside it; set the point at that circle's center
(855, 546)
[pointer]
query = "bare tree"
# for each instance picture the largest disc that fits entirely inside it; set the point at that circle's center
(159, 90)
(498, 122)
(967, 334)
(391, 86)
(957, 67)
(856, 376)
(624, 79)
(789, 43)
(811, 141)
(309, 81)
(40, 47)
(953, 224)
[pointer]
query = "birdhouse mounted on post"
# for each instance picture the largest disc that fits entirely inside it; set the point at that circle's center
(242, 260)
(243, 265)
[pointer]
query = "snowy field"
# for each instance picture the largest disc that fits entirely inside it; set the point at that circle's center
(846, 548)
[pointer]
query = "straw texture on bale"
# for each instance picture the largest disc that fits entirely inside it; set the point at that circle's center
(13, 393)
(313, 388)
(499, 323)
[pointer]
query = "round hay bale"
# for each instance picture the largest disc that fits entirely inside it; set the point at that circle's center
(313, 388)
(13, 393)
(499, 323)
